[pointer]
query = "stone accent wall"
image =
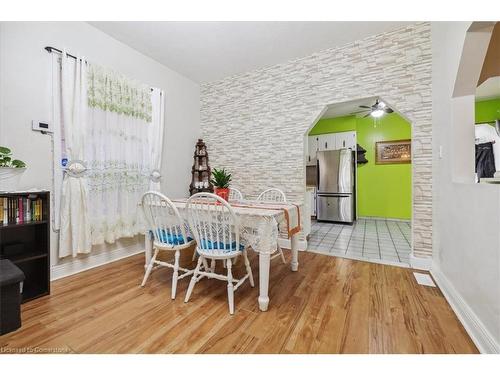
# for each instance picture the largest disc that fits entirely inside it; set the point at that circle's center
(254, 123)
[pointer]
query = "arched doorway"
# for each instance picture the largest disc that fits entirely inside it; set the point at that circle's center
(379, 229)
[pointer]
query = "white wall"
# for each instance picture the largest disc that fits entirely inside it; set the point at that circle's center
(466, 256)
(25, 95)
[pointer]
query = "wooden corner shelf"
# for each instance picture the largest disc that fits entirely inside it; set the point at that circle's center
(200, 176)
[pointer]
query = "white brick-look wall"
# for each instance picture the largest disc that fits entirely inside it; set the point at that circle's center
(254, 123)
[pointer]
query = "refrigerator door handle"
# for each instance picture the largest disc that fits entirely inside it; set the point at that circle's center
(338, 195)
(317, 174)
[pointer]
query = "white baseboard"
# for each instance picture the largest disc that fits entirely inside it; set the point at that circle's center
(77, 265)
(420, 263)
(483, 339)
(285, 244)
(384, 218)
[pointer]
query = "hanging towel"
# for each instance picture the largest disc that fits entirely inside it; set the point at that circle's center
(485, 160)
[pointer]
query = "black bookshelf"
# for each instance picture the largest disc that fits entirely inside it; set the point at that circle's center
(26, 241)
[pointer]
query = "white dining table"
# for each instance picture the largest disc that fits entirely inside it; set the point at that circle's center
(259, 226)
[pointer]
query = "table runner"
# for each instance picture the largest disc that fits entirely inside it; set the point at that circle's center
(291, 211)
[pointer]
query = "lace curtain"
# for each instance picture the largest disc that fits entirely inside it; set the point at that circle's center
(118, 153)
(117, 158)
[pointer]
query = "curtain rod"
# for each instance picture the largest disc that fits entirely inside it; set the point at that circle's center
(50, 49)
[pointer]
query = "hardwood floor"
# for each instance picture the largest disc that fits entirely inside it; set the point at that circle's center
(331, 305)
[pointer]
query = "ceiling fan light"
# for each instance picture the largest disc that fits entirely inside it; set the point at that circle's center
(377, 113)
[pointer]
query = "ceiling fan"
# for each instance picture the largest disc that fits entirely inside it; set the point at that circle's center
(376, 110)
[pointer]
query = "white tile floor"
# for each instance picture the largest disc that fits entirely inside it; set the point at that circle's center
(377, 240)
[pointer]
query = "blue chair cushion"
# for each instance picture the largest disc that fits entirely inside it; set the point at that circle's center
(207, 244)
(172, 239)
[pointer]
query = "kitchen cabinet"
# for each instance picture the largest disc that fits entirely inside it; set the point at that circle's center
(311, 200)
(327, 142)
(312, 148)
(345, 140)
(311, 193)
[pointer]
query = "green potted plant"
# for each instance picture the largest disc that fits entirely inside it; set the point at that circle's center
(220, 180)
(10, 169)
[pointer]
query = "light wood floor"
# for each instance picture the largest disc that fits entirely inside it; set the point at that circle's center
(331, 305)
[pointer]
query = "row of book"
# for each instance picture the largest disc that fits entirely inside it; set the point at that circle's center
(20, 210)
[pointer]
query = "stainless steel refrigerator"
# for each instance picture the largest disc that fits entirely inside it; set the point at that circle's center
(335, 186)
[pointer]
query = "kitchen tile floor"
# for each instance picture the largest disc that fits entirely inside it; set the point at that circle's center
(376, 240)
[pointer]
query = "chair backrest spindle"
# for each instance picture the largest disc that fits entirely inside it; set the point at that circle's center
(163, 219)
(235, 195)
(213, 223)
(272, 195)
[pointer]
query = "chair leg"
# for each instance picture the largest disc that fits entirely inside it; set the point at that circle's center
(194, 255)
(249, 269)
(176, 273)
(230, 287)
(281, 254)
(205, 266)
(212, 266)
(149, 269)
(193, 279)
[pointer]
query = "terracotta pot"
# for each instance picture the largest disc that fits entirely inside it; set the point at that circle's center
(223, 193)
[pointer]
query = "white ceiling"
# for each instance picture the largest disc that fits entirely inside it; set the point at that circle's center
(348, 108)
(208, 51)
(489, 89)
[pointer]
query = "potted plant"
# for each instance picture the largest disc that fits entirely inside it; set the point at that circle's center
(220, 180)
(10, 169)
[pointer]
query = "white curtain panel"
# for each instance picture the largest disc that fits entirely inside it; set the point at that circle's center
(75, 224)
(111, 132)
(119, 162)
(156, 137)
(119, 153)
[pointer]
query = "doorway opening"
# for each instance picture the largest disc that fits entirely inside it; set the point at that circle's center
(359, 182)
(487, 114)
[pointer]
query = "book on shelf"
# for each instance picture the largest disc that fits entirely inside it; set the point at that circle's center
(21, 209)
(5, 210)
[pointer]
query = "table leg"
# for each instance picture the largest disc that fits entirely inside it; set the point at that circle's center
(148, 248)
(264, 263)
(294, 244)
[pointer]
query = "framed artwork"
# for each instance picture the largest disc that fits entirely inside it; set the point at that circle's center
(393, 152)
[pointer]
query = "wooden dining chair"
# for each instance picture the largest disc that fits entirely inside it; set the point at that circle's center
(235, 195)
(169, 234)
(274, 195)
(217, 232)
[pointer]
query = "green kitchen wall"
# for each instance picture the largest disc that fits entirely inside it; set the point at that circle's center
(487, 110)
(334, 125)
(383, 190)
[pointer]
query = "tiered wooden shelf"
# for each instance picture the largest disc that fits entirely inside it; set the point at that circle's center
(200, 172)
(27, 245)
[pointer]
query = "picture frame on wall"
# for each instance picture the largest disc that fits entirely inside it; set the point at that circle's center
(393, 152)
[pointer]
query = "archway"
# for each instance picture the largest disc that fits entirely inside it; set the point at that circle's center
(383, 192)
